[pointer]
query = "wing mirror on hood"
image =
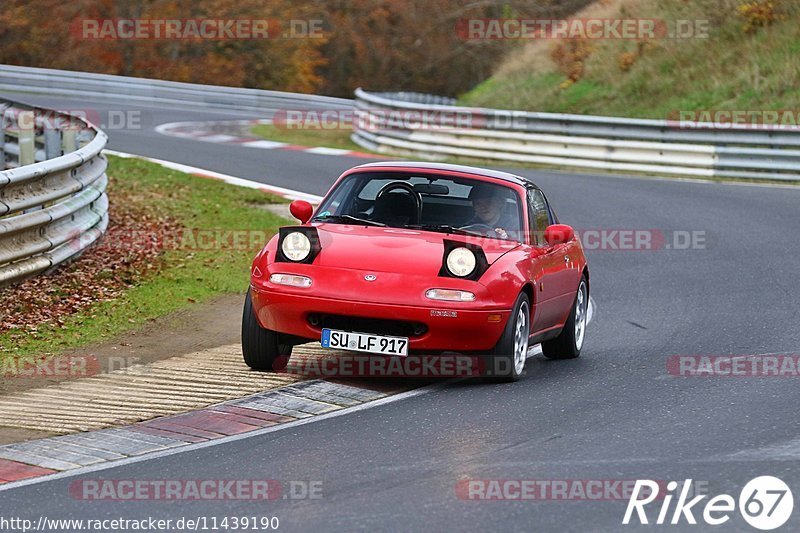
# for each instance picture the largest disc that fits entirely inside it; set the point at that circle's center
(558, 234)
(301, 210)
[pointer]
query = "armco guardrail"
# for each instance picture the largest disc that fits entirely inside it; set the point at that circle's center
(53, 203)
(414, 124)
(104, 87)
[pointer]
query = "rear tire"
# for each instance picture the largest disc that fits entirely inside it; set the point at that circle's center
(260, 346)
(507, 361)
(569, 342)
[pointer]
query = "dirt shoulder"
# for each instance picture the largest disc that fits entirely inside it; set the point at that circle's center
(201, 326)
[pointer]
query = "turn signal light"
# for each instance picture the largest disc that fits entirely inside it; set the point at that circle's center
(290, 280)
(450, 295)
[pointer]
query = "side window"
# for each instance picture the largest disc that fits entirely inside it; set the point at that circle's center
(539, 216)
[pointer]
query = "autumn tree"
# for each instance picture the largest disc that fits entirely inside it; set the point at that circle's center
(377, 44)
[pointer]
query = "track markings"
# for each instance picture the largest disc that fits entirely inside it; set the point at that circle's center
(236, 132)
(158, 427)
(13, 471)
(242, 416)
(177, 402)
(140, 392)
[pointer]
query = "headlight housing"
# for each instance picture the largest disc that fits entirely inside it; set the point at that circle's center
(296, 246)
(461, 262)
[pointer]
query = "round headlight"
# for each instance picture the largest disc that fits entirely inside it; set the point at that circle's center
(296, 246)
(461, 262)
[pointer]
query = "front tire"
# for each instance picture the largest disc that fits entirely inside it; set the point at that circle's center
(260, 346)
(569, 342)
(507, 362)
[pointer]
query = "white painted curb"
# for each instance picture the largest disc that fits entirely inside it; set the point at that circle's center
(289, 194)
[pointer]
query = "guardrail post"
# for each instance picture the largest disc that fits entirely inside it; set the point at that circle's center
(27, 148)
(52, 142)
(69, 142)
(84, 137)
(26, 122)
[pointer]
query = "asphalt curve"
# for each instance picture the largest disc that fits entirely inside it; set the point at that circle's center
(614, 414)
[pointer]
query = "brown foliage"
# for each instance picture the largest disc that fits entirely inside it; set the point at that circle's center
(570, 57)
(377, 44)
(100, 274)
(628, 59)
(48, 35)
(413, 45)
(757, 14)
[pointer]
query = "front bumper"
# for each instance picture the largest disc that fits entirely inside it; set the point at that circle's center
(446, 328)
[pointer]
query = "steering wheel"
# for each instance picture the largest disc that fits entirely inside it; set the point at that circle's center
(478, 227)
(391, 186)
(485, 229)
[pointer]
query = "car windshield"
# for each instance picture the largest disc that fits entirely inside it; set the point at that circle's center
(425, 201)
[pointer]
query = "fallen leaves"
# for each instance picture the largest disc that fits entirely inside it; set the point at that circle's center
(132, 249)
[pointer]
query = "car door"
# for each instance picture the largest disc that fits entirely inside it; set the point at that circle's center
(547, 266)
(567, 267)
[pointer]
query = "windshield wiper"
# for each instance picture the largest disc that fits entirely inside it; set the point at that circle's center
(348, 218)
(444, 228)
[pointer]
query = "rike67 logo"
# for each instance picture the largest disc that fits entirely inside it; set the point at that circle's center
(765, 503)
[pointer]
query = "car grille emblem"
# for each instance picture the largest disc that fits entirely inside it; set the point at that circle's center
(370, 277)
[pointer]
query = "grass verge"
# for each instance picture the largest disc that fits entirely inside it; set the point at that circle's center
(747, 62)
(215, 231)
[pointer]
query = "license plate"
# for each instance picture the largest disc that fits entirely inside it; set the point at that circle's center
(364, 342)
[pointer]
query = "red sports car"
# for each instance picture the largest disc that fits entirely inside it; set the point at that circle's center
(421, 258)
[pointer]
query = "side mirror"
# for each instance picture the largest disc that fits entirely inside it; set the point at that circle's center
(301, 210)
(558, 234)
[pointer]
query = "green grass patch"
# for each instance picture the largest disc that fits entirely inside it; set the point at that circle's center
(730, 69)
(334, 138)
(206, 263)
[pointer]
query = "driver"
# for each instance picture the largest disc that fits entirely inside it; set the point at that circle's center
(488, 204)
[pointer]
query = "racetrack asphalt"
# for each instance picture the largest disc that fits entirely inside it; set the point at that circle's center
(614, 414)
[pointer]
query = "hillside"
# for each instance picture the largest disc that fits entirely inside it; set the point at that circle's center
(742, 64)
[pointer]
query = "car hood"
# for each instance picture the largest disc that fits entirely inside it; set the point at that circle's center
(399, 250)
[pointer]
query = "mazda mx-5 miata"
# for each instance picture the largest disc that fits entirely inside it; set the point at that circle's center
(421, 258)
